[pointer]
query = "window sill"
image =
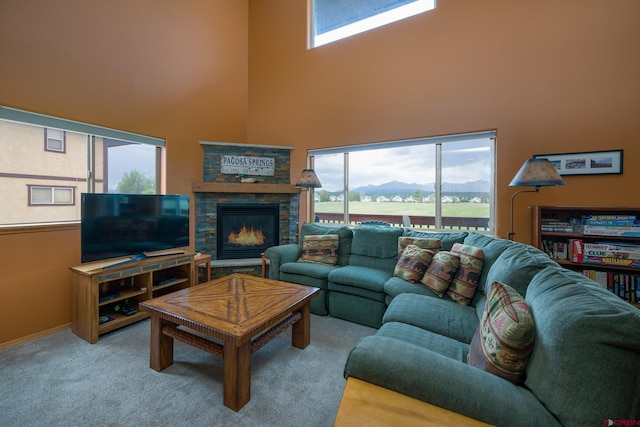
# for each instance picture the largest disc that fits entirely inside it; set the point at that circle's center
(38, 228)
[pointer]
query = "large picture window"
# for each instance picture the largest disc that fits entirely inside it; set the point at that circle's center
(441, 183)
(42, 186)
(333, 20)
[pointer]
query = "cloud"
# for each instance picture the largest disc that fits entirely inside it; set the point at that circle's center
(461, 162)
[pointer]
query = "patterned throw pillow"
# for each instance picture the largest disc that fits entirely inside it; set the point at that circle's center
(441, 272)
(413, 263)
(464, 285)
(433, 245)
(504, 339)
(320, 249)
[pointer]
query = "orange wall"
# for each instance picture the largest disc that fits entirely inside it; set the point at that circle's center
(550, 76)
(171, 69)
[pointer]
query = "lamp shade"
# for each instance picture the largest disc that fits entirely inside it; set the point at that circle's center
(537, 173)
(308, 179)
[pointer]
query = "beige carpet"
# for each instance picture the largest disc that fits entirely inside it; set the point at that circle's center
(61, 380)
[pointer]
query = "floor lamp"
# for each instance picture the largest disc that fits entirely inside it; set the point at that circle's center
(534, 173)
(309, 180)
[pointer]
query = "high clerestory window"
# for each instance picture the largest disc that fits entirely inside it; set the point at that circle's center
(333, 20)
(43, 186)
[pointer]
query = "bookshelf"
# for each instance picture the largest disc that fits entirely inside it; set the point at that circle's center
(602, 243)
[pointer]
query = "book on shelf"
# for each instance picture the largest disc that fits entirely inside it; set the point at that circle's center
(624, 285)
(604, 230)
(576, 250)
(612, 250)
(620, 262)
(560, 250)
(556, 226)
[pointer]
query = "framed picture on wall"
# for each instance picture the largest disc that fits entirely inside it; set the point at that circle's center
(586, 163)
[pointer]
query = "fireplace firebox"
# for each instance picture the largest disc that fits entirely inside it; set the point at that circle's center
(246, 230)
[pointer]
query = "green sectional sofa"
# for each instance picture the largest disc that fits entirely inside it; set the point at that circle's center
(584, 363)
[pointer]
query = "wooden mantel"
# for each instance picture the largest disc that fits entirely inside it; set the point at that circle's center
(216, 187)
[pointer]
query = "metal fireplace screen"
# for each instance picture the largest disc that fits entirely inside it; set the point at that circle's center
(246, 230)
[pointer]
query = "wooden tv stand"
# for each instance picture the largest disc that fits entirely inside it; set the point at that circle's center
(101, 289)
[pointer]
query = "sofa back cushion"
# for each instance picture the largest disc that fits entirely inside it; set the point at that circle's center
(516, 266)
(448, 239)
(585, 364)
(492, 247)
(345, 237)
(375, 247)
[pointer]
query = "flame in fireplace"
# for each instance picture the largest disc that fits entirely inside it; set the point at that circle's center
(247, 237)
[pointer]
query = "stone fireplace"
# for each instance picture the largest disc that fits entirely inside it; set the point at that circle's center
(222, 186)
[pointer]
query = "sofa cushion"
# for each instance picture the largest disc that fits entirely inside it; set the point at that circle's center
(448, 239)
(441, 271)
(516, 266)
(375, 247)
(492, 247)
(428, 340)
(425, 243)
(465, 283)
(352, 276)
(441, 316)
(504, 339)
(413, 263)
(316, 271)
(320, 249)
(345, 237)
(585, 364)
(396, 286)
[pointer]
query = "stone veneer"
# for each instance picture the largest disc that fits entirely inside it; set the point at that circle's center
(207, 203)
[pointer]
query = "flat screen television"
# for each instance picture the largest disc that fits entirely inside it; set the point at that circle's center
(119, 225)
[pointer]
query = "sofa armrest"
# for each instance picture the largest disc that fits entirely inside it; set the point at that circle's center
(278, 255)
(439, 380)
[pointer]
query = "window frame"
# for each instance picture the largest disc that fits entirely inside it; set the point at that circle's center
(370, 21)
(53, 189)
(437, 141)
(91, 132)
(63, 141)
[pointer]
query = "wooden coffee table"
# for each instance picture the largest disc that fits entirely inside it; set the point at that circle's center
(232, 309)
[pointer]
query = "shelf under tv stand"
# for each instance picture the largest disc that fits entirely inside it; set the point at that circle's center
(130, 282)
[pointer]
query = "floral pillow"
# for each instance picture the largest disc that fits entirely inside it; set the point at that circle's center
(441, 272)
(413, 263)
(504, 339)
(464, 285)
(320, 249)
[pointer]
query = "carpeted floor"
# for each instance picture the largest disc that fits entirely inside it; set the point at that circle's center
(61, 380)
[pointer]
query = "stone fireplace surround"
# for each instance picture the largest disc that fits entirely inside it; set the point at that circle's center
(217, 188)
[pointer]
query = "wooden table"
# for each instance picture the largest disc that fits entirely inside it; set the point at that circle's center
(203, 260)
(366, 404)
(233, 309)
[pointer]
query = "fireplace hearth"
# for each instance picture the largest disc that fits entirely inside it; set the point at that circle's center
(246, 230)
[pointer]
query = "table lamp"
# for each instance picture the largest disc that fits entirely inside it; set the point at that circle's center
(534, 173)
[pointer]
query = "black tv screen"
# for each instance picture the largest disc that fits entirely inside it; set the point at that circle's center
(118, 225)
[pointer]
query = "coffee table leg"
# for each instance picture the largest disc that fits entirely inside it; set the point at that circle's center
(161, 348)
(237, 375)
(301, 334)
